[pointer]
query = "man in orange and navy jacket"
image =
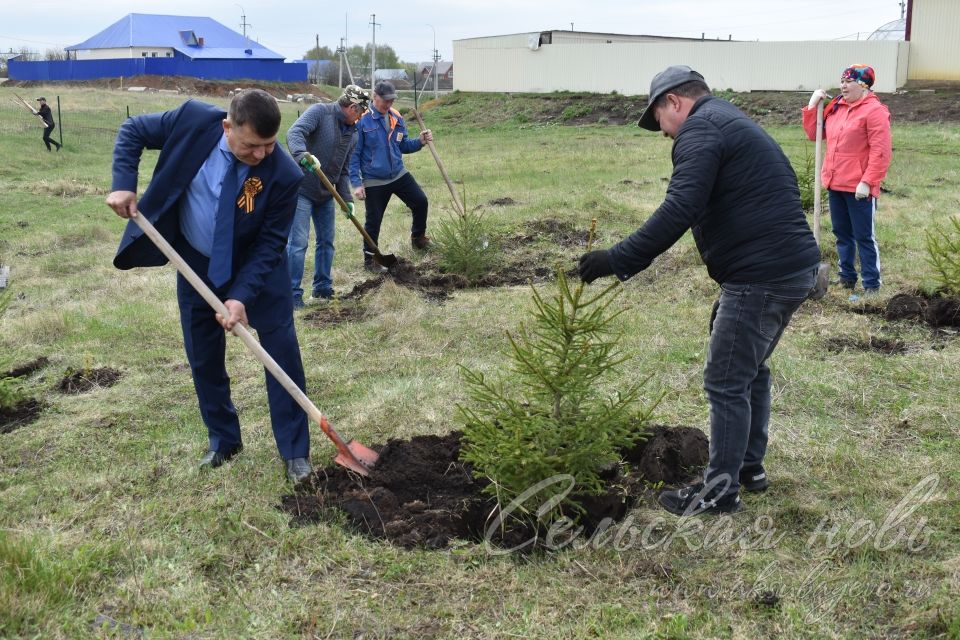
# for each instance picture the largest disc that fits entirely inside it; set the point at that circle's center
(377, 171)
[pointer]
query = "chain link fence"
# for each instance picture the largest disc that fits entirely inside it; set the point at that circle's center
(75, 127)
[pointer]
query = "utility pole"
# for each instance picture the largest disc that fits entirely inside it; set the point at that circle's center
(317, 70)
(243, 21)
(340, 53)
(436, 57)
(373, 51)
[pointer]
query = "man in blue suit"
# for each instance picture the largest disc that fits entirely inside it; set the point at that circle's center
(223, 194)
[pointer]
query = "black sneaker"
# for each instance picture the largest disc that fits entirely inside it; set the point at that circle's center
(754, 479)
(693, 501)
(421, 243)
(846, 284)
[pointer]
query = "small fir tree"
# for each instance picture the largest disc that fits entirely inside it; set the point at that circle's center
(463, 245)
(554, 418)
(943, 249)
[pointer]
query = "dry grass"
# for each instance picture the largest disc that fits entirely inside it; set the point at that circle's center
(104, 513)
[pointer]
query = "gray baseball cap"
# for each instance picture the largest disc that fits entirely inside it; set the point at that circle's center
(386, 90)
(669, 78)
(356, 95)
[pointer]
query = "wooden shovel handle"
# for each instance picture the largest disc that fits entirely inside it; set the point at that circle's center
(238, 329)
(443, 172)
(817, 188)
(314, 165)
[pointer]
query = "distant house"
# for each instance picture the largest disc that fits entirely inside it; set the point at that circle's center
(398, 77)
(147, 44)
(444, 74)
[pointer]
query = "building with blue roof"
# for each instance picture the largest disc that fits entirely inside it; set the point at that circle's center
(147, 44)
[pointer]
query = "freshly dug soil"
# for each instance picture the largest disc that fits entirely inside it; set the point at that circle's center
(26, 369)
(421, 495)
(937, 311)
(873, 343)
(84, 381)
(19, 415)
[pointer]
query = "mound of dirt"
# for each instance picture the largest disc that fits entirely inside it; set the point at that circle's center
(937, 311)
(26, 369)
(420, 494)
(88, 380)
(20, 414)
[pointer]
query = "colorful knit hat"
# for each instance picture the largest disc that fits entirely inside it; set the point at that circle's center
(860, 73)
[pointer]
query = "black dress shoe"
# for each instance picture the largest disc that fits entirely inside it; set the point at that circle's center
(298, 469)
(214, 459)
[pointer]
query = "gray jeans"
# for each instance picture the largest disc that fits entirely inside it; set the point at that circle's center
(746, 326)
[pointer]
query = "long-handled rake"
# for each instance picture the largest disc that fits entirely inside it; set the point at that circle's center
(352, 455)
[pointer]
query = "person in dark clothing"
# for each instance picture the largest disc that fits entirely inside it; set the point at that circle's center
(735, 189)
(48, 126)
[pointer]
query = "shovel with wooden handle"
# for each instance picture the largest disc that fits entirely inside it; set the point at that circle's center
(352, 455)
(310, 163)
(443, 172)
(823, 271)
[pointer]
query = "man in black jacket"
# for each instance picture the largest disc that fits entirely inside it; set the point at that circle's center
(735, 189)
(48, 126)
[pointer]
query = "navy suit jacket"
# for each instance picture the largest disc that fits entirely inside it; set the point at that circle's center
(185, 137)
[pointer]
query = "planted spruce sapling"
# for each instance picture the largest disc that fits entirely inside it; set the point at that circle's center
(943, 254)
(552, 416)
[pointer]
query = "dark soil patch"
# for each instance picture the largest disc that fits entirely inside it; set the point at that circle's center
(421, 495)
(670, 455)
(436, 286)
(26, 369)
(332, 314)
(880, 345)
(555, 231)
(84, 381)
(936, 310)
(19, 415)
(502, 202)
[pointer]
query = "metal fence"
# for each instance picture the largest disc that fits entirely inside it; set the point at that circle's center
(77, 128)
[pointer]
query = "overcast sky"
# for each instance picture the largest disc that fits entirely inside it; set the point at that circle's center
(412, 26)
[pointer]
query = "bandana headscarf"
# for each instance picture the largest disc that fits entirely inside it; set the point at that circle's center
(861, 74)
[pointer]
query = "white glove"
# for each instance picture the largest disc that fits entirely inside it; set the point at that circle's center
(816, 97)
(863, 191)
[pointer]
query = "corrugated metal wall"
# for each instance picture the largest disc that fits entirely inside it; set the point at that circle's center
(273, 70)
(934, 45)
(511, 63)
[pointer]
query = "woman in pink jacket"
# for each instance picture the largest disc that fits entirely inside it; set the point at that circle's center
(857, 133)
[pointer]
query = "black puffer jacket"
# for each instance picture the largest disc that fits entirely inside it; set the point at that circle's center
(734, 187)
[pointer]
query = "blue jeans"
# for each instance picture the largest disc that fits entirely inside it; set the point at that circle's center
(746, 326)
(852, 222)
(323, 215)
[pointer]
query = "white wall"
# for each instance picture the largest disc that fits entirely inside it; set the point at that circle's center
(934, 42)
(509, 63)
(125, 52)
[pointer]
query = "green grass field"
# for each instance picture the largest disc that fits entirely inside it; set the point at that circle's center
(108, 530)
